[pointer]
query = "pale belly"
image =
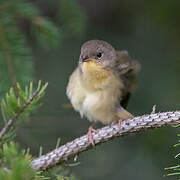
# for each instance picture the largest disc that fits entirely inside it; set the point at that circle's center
(96, 107)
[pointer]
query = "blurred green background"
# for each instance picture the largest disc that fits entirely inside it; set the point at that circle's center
(150, 32)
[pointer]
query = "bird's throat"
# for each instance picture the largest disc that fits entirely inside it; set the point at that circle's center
(93, 75)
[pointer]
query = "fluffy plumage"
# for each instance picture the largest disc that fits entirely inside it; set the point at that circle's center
(101, 85)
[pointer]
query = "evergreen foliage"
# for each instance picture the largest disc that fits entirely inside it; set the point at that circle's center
(15, 163)
(23, 25)
(72, 17)
(174, 170)
(18, 107)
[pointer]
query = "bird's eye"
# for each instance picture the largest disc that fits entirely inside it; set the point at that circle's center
(99, 55)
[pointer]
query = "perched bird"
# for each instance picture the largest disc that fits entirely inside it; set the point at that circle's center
(102, 83)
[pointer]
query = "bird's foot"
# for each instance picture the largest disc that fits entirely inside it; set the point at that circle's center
(119, 123)
(90, 136)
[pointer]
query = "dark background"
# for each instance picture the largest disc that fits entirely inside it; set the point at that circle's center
(150, 31)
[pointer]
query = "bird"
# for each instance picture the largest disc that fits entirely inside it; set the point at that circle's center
(102, 83)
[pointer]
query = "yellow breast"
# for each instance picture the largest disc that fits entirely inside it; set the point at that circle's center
(94, 76)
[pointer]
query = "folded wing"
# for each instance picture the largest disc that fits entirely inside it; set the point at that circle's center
(127, 69)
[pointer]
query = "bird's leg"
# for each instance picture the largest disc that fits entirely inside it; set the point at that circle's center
(89, 134)
(119, 123)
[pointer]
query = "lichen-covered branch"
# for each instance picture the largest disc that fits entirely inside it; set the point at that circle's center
(104, 134)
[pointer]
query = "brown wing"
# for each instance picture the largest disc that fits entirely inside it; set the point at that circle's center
(127, 69)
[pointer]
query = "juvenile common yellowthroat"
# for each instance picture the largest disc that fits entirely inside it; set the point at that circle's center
(101, 85)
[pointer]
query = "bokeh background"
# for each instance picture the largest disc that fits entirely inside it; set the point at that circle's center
(150, 32)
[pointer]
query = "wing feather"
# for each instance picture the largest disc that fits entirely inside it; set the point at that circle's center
(127, 69)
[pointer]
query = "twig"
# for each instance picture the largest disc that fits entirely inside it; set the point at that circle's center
(16, 115)
(153, 109)
(104, 134)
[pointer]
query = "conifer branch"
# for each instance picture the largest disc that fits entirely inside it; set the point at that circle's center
(8, 57)
(107, 133)
(17, 114)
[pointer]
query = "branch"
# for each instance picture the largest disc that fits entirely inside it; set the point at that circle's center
(104, 134)
(8, 58)
(16, 115)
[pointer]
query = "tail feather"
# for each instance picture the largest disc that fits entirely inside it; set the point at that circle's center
(124, 114)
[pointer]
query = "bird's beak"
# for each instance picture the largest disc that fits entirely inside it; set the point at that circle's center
(86, 60)
(89, 59)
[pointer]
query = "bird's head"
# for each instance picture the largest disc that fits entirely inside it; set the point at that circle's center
(97, 53)
(96, 63)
